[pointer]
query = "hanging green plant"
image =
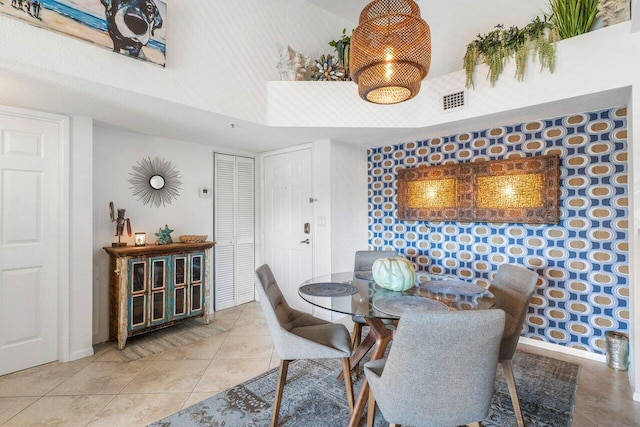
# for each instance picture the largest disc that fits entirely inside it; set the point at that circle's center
(573, 17)
(496, 47)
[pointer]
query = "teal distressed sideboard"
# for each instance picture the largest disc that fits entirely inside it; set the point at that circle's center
(153, 286)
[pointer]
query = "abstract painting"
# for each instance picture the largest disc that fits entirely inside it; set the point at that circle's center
(136, 28)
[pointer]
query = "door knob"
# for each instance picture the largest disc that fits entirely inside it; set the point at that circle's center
(305, 241)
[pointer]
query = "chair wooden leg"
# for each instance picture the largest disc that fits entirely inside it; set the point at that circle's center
(371, 409)
(394, 425)
(478, 424)
(348, 384)
(356, 335)
(282, 380)
(356, 340)
(382, 337)
(507, 368)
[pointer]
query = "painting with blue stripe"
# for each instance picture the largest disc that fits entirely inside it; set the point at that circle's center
(136, 28)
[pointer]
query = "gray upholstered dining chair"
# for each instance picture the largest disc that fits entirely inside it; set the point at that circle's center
(513, 287)
(440, 370)
(362, 264)
(298, 335)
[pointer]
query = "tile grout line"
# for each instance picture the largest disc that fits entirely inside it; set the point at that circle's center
(102, 409)
(216, 352)
(23, 409)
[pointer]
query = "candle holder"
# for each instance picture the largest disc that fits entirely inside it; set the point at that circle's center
(141, 239)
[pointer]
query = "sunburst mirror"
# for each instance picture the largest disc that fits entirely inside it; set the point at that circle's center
(155, 181)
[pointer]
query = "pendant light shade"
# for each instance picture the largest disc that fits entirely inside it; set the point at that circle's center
(390, 51)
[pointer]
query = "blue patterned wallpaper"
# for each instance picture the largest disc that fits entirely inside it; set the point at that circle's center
(583, 261)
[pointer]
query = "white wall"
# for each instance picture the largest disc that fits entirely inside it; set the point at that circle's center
(80, 237)
(634, 221)
(349, 201)
(581, 64)
(340, 209)
(322, 208)
(219, 54)
(115, 153)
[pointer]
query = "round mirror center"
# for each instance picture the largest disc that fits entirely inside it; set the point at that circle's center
(156, 182)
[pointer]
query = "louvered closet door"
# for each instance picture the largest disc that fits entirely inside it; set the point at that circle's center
(234, 231)
(225, 230)
(245, 230)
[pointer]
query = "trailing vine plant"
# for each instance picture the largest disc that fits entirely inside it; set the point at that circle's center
(496, 47)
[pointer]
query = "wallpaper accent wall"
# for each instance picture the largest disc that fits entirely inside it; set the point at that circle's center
(583, 263)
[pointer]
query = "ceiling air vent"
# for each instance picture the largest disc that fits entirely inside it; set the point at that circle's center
(453, 101)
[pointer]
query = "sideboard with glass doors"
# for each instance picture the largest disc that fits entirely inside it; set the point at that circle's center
(152, 287)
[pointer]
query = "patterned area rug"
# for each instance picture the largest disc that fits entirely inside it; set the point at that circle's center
(184, 332)
(546, 387)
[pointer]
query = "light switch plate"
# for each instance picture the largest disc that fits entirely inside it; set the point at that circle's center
(205, 193)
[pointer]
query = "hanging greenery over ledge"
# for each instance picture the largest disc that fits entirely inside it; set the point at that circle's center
(496, 47)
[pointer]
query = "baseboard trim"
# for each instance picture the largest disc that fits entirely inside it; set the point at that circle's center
(565, 350)
(81, 353)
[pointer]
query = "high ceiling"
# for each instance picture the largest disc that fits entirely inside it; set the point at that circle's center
(453, 24)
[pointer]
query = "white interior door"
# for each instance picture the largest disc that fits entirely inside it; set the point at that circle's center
(288, 207)
(29, 237)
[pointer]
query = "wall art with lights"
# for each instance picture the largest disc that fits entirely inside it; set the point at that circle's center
(520, 190)
(582, 261)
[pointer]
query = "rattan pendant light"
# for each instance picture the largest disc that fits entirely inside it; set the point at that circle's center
(390, 51)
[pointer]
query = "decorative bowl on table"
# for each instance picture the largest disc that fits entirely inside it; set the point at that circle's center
(192, 238)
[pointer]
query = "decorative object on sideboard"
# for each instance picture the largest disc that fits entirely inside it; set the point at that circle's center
(327, 68)
(121, 224)
(192, 238)
(137, 28)
(140, 239)
(496, 47)
(614, 11)
(292, 65)
(155, 181)
(523, 190)
(571, 18)
(390, 51)
(164, 236)
(342, 47)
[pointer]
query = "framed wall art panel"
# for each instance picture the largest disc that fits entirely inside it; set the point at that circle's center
(523, 190)
(430, 192)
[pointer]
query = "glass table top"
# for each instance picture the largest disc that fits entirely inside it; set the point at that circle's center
(356, 293)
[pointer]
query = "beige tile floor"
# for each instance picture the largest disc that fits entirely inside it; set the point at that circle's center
(102, 390)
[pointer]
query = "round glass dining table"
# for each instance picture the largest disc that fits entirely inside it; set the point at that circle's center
(357, 293)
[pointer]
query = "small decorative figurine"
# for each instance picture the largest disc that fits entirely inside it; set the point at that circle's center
(121, 223)
(164, 236)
